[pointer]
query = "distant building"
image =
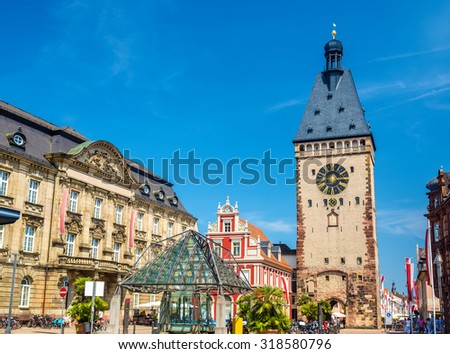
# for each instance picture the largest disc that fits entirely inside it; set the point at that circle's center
(261, 261)
(439, 218)
(337, 248)
(85, 211)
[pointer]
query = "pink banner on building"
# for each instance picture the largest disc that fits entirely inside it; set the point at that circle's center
(62, 216)
(132, 219)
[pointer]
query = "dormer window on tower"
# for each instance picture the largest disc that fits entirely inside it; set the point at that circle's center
(317, 112)
(341, 109)
(310, 130)
(329, 128)
(352, 126)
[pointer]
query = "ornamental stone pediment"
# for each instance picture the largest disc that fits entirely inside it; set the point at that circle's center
(105, 160)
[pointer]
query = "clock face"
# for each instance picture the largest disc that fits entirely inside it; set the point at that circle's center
(332, 179)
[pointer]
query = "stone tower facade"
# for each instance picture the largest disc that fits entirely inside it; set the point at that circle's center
(337, 252)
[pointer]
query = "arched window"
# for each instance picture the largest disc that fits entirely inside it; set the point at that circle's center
(357, 200)
(25, 286)
(309, 203)
(341, 201)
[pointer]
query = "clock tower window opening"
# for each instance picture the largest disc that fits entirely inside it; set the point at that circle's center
(326, 260)
(357, 200)
(358, 260)
(309, 203)
(325, 202)
(341, 201)
(343, 260)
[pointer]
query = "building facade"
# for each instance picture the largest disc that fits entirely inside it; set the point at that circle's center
(439, 219)
(85, 211)
(260, 261)
(337, 252)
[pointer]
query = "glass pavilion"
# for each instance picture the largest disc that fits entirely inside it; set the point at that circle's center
(190, 275)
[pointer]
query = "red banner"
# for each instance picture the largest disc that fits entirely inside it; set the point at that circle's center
(62, 215)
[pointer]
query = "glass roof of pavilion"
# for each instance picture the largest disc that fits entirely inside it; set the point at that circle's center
(188, 264)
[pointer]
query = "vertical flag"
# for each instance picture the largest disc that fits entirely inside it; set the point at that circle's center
(428, 256)
(410, 278)
(131, 237)
(62, 215)
(383, 304)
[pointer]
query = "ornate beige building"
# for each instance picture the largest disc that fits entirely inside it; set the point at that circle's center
(337, 251)
(85, 211)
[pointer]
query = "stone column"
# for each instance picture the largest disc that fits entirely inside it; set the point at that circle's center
(220, 315)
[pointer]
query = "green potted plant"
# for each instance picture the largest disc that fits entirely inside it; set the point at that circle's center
(81, 306)
(264, 310)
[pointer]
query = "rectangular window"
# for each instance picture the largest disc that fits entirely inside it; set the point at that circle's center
(309, 203)
(2, 235)
(4, 182)
(343, 260)
(95, 246)
(33, 192)
(227, 225)
(360, 278)
(70, 245)
(98, 208)
(119, 212)
(359, 260)
(140, 221)
(325, 202)
(237, 248)
(28, 241)
(217, 247)
(73, 203)
(436, 232)
(156, 226)
(327, 277)
(138, 257)
(245, 274)
(357, 200)
(24, 299)
(116, 257)
(170, 229)
(326, 260)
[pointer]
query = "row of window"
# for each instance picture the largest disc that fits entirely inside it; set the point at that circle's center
(344, 278)
(33, 193)
(95, 249)
(326, 260)
(33, 187)
(332, 202)
(339, 145)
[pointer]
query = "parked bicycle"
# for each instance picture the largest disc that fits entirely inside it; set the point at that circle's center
(15, 323)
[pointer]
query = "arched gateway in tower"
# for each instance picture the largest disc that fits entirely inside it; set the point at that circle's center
(337, 252)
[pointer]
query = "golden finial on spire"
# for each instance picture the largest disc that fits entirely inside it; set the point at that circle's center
(333, 32)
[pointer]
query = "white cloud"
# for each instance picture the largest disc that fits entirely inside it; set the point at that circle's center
(402, 222)
(282, 105)
(410, 54)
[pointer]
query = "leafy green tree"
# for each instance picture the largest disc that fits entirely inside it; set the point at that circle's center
(80, 307)
(310, 308)
(264, 310)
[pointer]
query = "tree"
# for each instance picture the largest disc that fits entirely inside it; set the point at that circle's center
(80, 307)
(310, 308)
(264, 310)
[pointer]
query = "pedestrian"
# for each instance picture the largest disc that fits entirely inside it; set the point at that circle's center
(407, 325)
(429, 326)
(421, 324)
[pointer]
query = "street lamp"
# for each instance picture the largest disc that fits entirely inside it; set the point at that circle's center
(8, 325)
(438, 262)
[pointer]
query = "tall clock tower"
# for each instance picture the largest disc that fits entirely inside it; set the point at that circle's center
(337, 252)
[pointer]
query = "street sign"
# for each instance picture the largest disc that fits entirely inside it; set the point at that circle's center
(388, 318)
(63, 292)
(89, 288)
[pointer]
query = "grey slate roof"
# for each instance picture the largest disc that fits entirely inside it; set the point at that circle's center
(43, 137)
(335, 113)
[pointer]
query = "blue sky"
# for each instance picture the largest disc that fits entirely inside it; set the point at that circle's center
(230, 79)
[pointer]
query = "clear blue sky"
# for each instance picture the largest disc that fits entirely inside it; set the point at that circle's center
(230, 79)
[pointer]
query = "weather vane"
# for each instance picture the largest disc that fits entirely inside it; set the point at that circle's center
(333, 32)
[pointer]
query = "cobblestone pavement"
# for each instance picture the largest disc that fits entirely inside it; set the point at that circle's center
(148, 330)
